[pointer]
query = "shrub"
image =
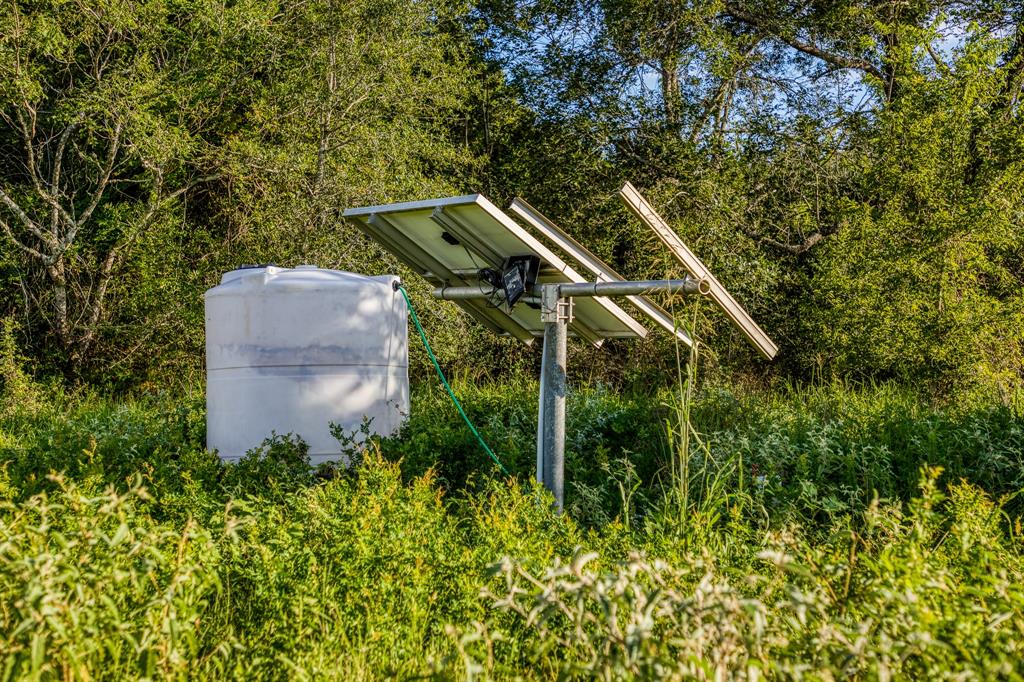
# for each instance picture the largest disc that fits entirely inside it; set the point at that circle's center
(148, 557)
(18, 392)
(92, 587)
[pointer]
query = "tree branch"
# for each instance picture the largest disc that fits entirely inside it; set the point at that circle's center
(157, 201)
(24, 247)
(55, 175)
(195, 183)
(839, 60)
(1014, 71)
(795, 249)
(101, 187)
(74, 225)
(941, 65)
(96, 301)
(28, 135)
(23, 217)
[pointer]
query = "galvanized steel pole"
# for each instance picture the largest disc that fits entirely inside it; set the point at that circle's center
(556, 313)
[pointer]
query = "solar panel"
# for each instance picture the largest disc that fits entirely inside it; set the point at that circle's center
(739, 317)
(536, 220)
(448, 241)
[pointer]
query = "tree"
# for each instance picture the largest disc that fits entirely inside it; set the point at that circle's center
(110, 114)
(850, 168)
(363, 103)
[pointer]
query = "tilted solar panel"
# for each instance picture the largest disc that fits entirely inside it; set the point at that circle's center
(448, 241)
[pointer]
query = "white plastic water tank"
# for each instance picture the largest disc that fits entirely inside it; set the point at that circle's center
(292, 350)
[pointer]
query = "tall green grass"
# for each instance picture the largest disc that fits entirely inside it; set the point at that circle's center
(815, 450)
(811, 541)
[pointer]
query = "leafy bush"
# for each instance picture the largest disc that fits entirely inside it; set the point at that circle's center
(92, 586)
(18, 393)
(824, 449)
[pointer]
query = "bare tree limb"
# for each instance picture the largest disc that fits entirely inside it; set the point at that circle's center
(795, 249)
(940, 64)
(55, 175)
(839, 60)
(96, 301)
(24, 247)
(1014, 71)
(29, 224)
(101, 186)
(195, 183)
(28, 133)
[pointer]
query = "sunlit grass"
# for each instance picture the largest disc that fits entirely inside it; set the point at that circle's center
(811, 540)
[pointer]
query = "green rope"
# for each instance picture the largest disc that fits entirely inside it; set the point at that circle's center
(447, 386)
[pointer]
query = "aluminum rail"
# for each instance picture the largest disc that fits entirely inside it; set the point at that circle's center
(472, 292)
(687, 285)
(735, 312)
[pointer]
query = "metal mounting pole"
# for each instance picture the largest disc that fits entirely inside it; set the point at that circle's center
(556, 302)
(540, 416)
(556, 312)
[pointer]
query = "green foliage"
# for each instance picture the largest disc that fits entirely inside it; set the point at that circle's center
(93, 586)
(851, 172)
(925, 594)
(107, 119)
(279, 466)
(148, 147)
(602, 428)
(18, 392)
(831, 450)
(926, 273)
(149, 558)
(823, 450)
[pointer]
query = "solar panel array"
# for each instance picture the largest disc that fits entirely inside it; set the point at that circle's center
(449, 240)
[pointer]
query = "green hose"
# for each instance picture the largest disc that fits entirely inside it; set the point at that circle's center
(447, 386)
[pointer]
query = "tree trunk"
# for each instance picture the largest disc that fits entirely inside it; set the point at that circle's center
(58, 276)
(325, 121)
(95, 304)
(670, 95)
(890, 68)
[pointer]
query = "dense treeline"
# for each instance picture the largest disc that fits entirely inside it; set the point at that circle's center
(852, 170)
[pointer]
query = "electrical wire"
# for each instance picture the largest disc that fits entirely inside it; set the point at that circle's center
(490, 298)
(444, 381)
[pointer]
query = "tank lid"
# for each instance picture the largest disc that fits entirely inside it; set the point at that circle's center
(248, 270)
(299, 275)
